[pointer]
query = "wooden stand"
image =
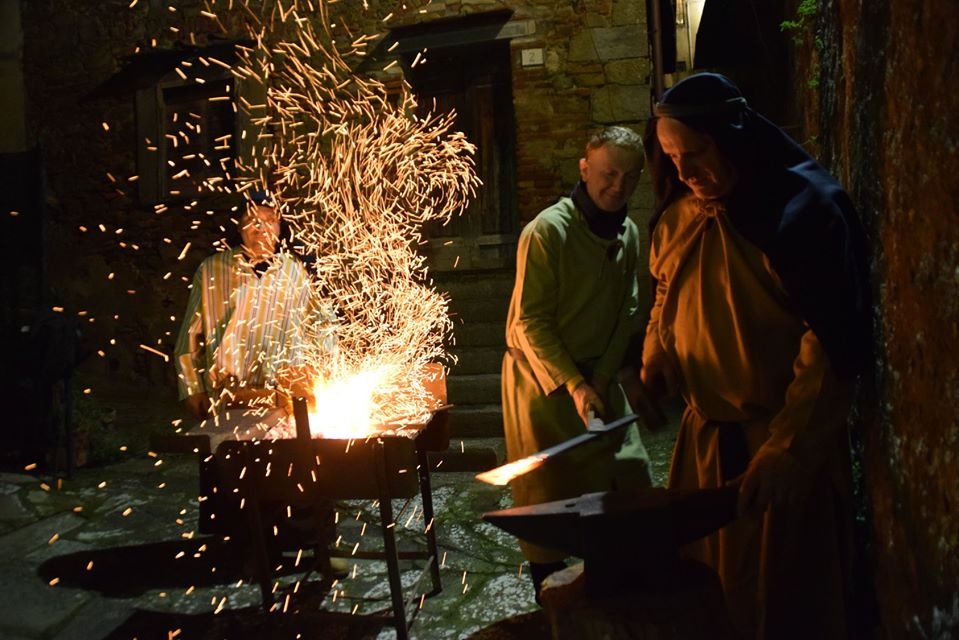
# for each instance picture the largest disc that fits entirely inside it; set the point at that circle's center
(398, 615)
(304, 471)
(686, 605)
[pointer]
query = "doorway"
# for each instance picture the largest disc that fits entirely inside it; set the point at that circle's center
(474, 80)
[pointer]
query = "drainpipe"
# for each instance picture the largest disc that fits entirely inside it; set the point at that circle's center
(658, 81)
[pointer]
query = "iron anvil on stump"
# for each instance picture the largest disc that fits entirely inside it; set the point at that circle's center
(633, 582)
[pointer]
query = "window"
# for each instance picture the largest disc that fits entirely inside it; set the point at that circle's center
(186, 128)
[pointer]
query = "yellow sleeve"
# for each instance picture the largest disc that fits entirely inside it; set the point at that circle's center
(536, 330)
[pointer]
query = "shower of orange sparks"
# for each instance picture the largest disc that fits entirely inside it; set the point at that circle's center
(356, 174)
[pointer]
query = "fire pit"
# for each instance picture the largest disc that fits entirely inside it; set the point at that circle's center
(302, 470)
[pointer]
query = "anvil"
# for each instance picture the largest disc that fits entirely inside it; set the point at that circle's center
(627, 539)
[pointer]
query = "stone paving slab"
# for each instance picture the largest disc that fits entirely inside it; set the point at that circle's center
(32, 608)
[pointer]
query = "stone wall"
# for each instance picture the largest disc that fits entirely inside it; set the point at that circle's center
(882, 115)
(108, 257)
(595, 72)
(12, 129)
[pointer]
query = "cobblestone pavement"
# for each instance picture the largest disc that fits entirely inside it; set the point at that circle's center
(113, 553)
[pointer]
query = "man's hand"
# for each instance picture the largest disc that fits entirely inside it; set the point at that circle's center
(641, 400)
(659, 378)
(587, 400)
(600, 384)
(198, 404)
(774, 475)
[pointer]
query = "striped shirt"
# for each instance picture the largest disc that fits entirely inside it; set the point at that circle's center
(241, 326)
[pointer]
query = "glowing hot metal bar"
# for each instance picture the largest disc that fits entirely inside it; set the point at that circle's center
(504, 474)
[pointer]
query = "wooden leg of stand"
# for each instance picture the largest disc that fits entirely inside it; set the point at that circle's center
(389, 544)
(426, 493)
(257, 548)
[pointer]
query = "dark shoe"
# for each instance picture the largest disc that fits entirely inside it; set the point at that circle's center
(539, 571)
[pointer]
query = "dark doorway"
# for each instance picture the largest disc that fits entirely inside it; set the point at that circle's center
(474, 80)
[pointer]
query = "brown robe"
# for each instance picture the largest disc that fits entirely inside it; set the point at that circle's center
(723, 321)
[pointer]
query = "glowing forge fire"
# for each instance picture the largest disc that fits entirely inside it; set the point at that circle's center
(377, 399)
(343, 408)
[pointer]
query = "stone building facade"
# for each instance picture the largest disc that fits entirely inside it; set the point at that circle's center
(123, 260)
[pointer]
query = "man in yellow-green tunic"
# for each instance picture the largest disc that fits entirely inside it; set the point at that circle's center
(760, 322)
(572, 313)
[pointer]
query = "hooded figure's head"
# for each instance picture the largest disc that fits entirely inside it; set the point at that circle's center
(707, 118)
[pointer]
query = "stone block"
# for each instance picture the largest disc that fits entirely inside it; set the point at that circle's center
(478, 421)
(590, 79)
(563, 83)
(480, 334)
(582, 47)
(552, 60)
(474, 389)
(571, 106)
(628, 12)
(628, 71)
(620, 103)
(620, 42)
(471, 360)
(596, 20)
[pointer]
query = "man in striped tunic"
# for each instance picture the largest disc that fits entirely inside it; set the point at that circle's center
(246, 326)
(246, 318)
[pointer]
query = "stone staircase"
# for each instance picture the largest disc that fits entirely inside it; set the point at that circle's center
(478, 304)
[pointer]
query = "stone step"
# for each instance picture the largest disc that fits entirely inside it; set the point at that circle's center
(480, 388)
(490, 308)
(480, 334)
(473, 360)
(469, 454)
(492, 285)
(476, 421)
